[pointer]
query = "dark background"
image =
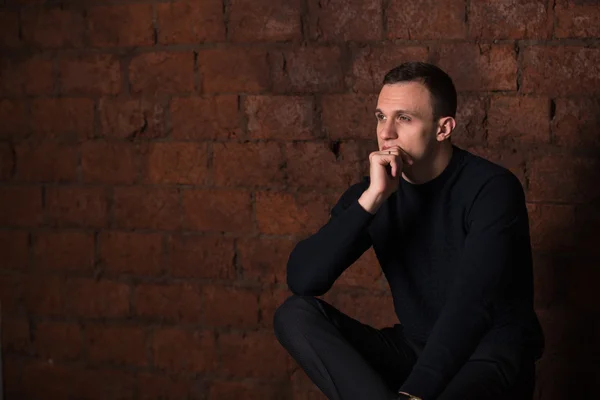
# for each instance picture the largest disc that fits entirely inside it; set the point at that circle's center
(159, 159)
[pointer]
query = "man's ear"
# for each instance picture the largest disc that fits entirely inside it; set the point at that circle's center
(445, 127)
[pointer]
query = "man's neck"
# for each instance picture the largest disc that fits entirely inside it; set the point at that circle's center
(430, 167)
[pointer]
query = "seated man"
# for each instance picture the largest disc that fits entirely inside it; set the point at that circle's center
(451, 233)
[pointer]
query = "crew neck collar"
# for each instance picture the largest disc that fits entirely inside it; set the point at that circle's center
(441, 178)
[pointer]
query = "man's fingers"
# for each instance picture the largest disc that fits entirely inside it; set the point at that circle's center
(394, 166)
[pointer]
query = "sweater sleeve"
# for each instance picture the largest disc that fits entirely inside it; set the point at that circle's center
(497, 226)
(317, 261)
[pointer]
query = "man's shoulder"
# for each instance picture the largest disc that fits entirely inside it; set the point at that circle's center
(478, 170)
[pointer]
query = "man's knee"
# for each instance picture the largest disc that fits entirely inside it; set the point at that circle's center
(292, 313)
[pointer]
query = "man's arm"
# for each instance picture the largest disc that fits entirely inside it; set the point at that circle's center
(498, 227)
(317, 261)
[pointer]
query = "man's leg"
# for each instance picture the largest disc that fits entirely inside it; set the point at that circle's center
(481, 379)
(344, 358)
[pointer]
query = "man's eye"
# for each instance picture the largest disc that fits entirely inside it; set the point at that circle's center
(403, 118)
(380, 117)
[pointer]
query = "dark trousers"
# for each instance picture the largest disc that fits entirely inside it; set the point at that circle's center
(347, 359)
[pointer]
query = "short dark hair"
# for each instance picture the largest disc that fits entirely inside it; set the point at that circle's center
(438, 83)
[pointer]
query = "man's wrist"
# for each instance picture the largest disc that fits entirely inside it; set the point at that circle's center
(371, 201)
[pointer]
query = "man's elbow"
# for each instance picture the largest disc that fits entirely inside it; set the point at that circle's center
(301, 286)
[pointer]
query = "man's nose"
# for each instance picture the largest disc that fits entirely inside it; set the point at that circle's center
(388, 131)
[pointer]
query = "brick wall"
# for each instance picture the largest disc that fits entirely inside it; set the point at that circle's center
(159, 159)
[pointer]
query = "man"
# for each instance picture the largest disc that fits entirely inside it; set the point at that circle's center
(451, 233)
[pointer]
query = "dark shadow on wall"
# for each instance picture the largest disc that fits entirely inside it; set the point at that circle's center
(567, 258)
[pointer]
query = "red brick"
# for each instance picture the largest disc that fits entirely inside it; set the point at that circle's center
(248, 164)
(281, 117)
(255, 21)
(308, 69)
(234, 70)
(314, 164)
(424, 19)
(577, 20)
(140, 254)
(343, 20)
(15, 333)
(190, 22)
(46, 162)
(563, 178)
(506, 157)
(48, 295)
(239, 352)
(371, 63)
(182, 163)
(159, 386)
(53, 27)
(137, 118)
(62, 118)
(560, 70)
(376, 311)
(365, 272)
(576, 122)
(230, 307)
(27, 75)
(184, 351)
(146, 208)
(269, 301)
(110, 162)
(281, 213)
(120, 25)
(226, 390)
(14, 247)
(15, 121)
(58, 340)
(509, 19)
(76, 206)
(162, 72)
(9, 28)
(480, 67)
(203, 210)
(21, 206)
(202, 257)
(549, 222)
(548, 273)
(349, 116)
(116, 344)
(90, 75)
(581, 290)
(10, 293)
(198, 118)
(64, 250)
(265, 258)
(471, 123)
(56, 381)
(519, 120)
(585, 230)
(178, 303)
(7, 161)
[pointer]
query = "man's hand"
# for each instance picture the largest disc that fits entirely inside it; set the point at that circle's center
(385, 170)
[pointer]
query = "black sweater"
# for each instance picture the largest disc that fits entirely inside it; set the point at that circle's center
(456, 253)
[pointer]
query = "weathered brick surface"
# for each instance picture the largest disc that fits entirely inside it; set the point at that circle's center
(418, 20)
(264, 20)
(342, 20)
(159, 160)
(120, 25)
(512, 19)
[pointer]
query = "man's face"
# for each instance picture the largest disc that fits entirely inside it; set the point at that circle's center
(405, 118)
